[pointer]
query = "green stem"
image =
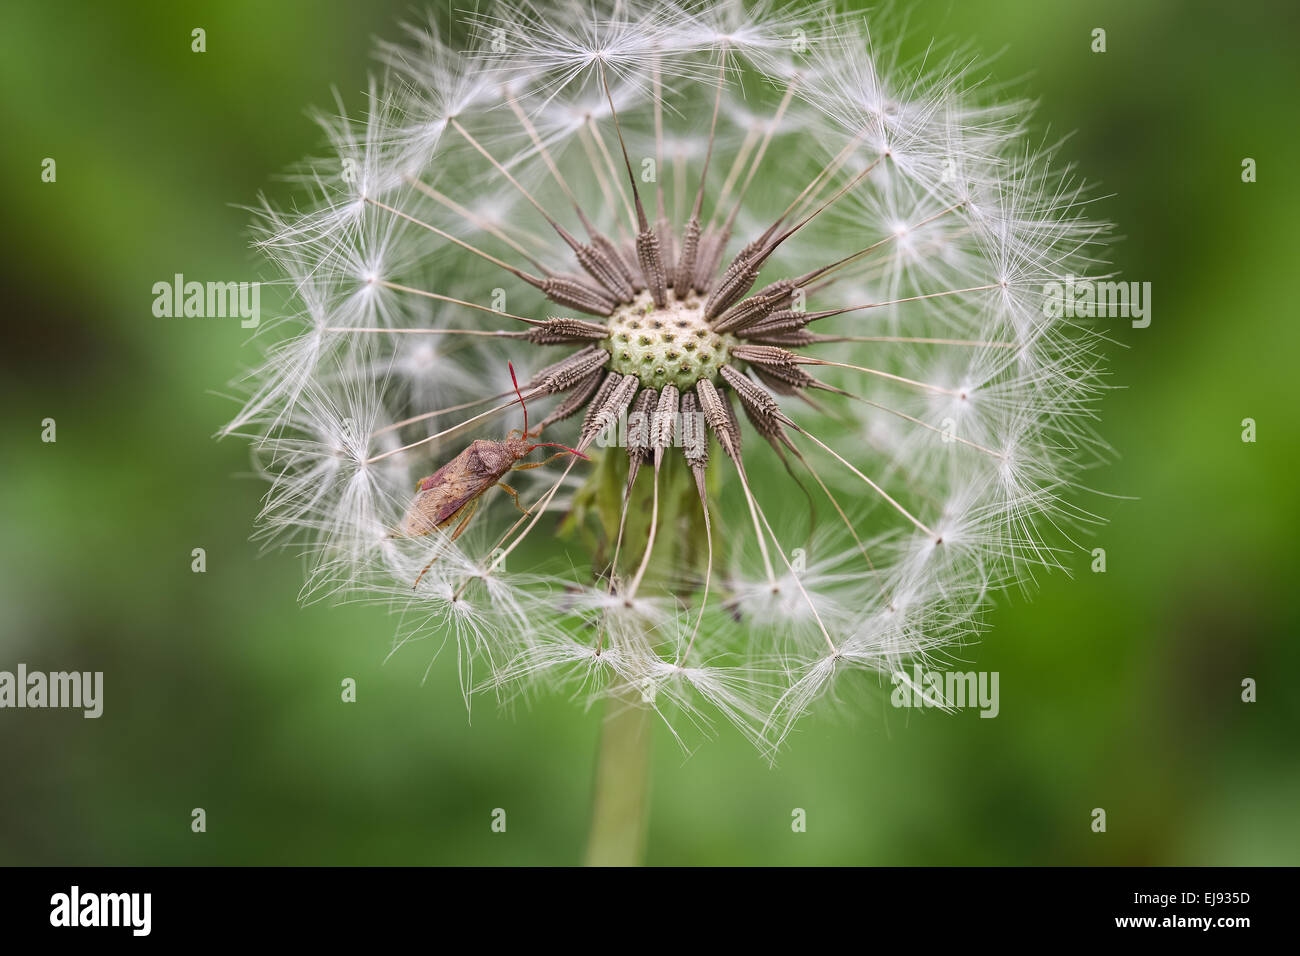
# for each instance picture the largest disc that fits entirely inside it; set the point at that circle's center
(621, 802)
(621, 793)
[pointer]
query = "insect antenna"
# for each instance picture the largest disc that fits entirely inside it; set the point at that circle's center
(551, 444)
(514, 381)
(524, 406)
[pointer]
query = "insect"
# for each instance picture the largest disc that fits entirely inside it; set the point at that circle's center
(451, 494)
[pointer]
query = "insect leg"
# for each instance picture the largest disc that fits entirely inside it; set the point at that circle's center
(513, 494)
(468, 511)
(538, 464)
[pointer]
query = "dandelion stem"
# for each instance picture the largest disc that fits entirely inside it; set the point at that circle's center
(499, 333)
(911, 298)
(757, 161)
(506, 173)
(621, 791)
(517, 273)
(910, 340)
(599, 140)
(607, 191)
(758, 514)
(708, 576)
(446, 298)
(874, 487)
(447, 431)
(436, 413)
(924, 424)
(478, 221)
(798, 200)
(808, 360)
(650, 540)
(713, 129)
(550, 163)
(758, 533)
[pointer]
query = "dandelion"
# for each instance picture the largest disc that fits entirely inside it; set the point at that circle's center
(776, 298)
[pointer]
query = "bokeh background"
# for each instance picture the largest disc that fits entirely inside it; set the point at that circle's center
(1119, 690)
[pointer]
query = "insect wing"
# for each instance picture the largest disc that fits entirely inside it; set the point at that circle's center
(450, 488)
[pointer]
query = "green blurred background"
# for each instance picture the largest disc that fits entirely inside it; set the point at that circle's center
(1119, 690)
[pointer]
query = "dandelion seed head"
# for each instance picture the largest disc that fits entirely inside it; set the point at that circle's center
(802, 277)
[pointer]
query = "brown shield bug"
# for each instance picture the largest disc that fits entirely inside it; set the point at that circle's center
(451, 494)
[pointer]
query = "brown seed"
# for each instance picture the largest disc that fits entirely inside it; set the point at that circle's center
(559, 331)
(648, 254)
